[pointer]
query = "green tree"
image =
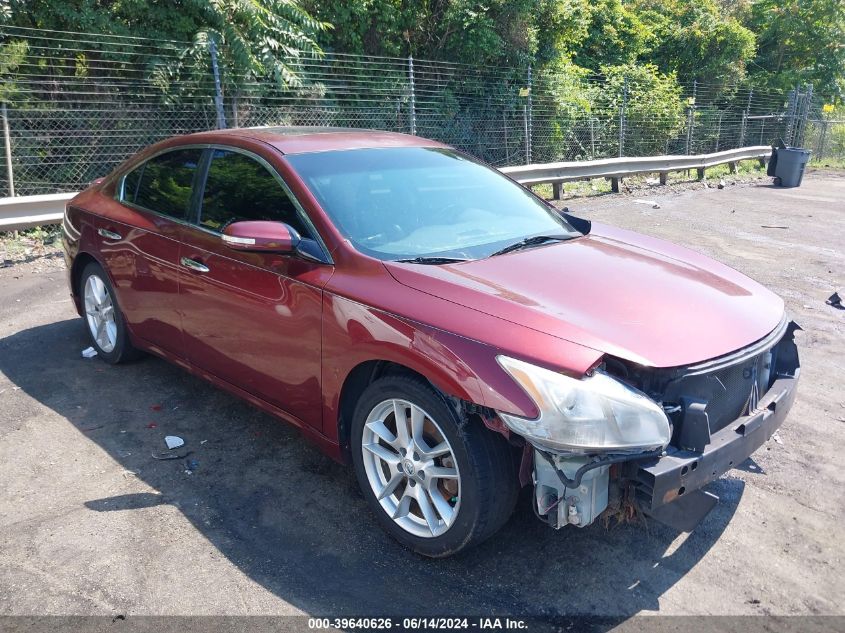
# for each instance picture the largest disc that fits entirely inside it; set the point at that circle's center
(616, 35)
(654, 110)
(12, 55)
(561, 27)
(256, 37)
(696, 40)
(483, 32)
(157, 19)
(799, 41)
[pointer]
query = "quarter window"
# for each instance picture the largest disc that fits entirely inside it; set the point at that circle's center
(239, 188)
(163, 183)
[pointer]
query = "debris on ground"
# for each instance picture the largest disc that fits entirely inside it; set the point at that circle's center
(89, 352)
(776, 438)
(650, 203)
(155, 407)
(152, 425)
(173, 441)
(773, 226)
(164, 455)
(652, 181)
(190, 466)
(721, 184)
(835, 301)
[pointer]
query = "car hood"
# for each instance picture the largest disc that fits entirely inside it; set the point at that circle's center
(615, 291)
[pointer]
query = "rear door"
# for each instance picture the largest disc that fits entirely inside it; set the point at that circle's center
(252, 319)
(142, 250)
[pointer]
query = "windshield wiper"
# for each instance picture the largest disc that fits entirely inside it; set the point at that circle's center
(528, 242)
(432, 260)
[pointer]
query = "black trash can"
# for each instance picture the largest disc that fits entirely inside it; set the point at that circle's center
(789, 165)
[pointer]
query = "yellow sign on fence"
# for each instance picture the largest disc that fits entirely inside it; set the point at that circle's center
(827, 107)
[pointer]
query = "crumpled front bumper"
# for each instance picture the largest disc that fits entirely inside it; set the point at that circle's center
(668, 487)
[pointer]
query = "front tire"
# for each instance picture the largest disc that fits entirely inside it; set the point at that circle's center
(437, 483)
(103, 318)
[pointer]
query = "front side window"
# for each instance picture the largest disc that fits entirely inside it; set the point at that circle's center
(240, 188)
(163, 183)
(409, 202)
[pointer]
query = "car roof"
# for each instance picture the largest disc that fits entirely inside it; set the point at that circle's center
(303, 139)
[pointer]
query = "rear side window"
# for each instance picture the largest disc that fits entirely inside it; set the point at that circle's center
(163, 183)
(240, 188)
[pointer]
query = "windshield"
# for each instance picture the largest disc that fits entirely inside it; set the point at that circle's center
(417, 202)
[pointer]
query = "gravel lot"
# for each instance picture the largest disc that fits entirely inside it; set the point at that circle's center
(90, 524)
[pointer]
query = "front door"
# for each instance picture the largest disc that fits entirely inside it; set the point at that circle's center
(252, 319)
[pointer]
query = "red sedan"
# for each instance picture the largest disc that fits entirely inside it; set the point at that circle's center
(419, 314)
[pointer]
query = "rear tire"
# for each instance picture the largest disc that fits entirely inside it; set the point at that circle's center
(104, 321)
(450, 482)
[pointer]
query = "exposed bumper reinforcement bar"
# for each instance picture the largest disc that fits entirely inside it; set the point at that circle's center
(678, 476)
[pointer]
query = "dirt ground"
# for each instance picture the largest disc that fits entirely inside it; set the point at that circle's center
(256, 521)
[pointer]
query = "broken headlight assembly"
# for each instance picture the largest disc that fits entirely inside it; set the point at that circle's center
(594, 414)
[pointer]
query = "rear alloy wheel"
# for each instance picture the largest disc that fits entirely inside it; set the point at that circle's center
(437, 483)
(103, 317)
(99, 313)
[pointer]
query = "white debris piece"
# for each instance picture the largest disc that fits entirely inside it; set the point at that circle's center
(173, 441)
(89, 352)
(650, 203)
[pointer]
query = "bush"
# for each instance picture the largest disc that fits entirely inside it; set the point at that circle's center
(654, 110)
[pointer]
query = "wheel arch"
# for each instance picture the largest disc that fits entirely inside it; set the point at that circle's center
(359, 378)
(82, 259)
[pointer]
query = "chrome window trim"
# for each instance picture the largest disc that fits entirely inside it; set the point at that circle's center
(119, 190)
(303, 215)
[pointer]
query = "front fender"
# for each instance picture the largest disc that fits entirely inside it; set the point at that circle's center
(354, 333)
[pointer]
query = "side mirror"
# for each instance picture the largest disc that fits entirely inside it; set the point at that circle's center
(260, 236)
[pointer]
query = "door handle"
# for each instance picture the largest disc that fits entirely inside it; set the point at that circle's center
(194, 265)
(109, 235)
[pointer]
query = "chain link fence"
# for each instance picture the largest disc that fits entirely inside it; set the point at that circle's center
(826, 138)
(75, 105)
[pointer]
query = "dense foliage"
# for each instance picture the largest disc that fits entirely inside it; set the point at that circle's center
(775, 43)
(771, 43)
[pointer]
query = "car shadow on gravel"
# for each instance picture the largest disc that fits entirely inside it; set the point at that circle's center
(294, 522)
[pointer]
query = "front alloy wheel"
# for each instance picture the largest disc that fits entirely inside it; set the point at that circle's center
(437, 481)
(411, 468)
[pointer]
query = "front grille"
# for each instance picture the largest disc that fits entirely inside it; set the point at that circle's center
(730, 392)
(727, 387)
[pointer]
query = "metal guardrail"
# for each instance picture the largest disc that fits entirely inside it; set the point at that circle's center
(617, 168)
(26, 212)
(29, 211)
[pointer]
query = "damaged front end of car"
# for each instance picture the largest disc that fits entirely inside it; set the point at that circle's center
(646, 438)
